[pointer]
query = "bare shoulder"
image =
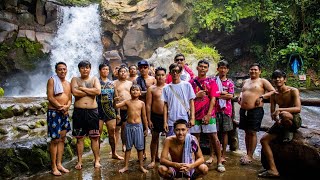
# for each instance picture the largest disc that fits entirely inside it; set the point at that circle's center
(293, 90)
(142, 103)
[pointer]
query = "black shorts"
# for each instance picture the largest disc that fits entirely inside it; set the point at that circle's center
(157, 121)
(85, 122)
(224, 122)
(123, 116)
(280, 129)
(251, 119)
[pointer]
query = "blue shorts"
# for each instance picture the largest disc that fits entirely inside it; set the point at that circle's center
(57, 122)
(134, 136)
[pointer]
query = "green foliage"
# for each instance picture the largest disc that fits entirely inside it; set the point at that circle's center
(4, 48)
(1, 92)
(293, 27)
(79, 2)
(201, 51)
(33, 49)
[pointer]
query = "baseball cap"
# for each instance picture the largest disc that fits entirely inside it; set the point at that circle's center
(143, 63)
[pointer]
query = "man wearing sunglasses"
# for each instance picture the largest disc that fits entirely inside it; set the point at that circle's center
(144, 80)
(186, 73)
(178, 99)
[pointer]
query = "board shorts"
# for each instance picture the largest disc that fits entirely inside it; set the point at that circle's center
(224, 122)
(280, 129)
(123, 116)
(204, 128)
(251, 119)
(85, 122)
(106, 114)
(134, 136)
(157, 121)
(57, 121)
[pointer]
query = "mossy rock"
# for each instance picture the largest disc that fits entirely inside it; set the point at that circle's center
(87, 144)
(104, 133)
(44, 105)
(69, 152)
(6, 113)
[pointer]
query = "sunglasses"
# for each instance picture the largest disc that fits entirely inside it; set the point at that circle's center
(175, 71)
(143, 67)
(179, 59)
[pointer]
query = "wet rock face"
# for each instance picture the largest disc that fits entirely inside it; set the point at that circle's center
(136, 29)
(300, 157)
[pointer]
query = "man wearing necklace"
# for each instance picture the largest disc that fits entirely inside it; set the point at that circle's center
(286, 116)
(182, 147)
(85, 114)
(107, 112)
(254, 90)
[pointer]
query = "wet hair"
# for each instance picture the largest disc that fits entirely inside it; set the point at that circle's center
(180, 121)
(203, 61)
(174, 65)
(151, 65)
(255, 64)
(58, 63)
(160, 69)
(133, 65)
(223, 63)
(84, 63)
(102, 65)
(122, 67)
(278, 73)
(135, 86)
(177, 55)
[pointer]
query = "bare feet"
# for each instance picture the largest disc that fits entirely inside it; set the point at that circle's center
(97, 164)
(116, 156)
(210, 160)
(78, 166)
(123, 170)
(62, 169)
(142, 169)
(151, 165)
(56, 172)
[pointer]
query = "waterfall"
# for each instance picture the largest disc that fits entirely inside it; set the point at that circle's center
(78, 38)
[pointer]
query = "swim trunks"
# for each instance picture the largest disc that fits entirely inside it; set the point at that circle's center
(85, 122)
(251, 119)
(224, 122)
(123, 116)
(280, 129)
(204, 128)
(105, 101)
(57, 122)
(134, 136)
(176, 173)
(157, 121)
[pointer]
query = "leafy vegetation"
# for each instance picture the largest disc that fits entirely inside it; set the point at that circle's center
(293, 27)
(78, 2)
(201, 51)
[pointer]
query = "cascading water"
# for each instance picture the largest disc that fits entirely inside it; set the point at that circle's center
(78, 38)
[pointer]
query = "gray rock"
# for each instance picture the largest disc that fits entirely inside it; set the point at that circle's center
(30, 34)
(31, 125)
(6, 26)
(40, 12)
(23, 128)
(17, 110)
(3, 36)
(26, 19)
(9, 16)
(3, 131)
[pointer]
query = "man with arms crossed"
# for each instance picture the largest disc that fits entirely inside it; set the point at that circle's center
(287, 119)
(59, 96)
(85, 114)
(154, 108)
(254, 90)
(178, 100)
(182, 148)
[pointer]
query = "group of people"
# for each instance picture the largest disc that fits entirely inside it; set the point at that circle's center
(176, 103)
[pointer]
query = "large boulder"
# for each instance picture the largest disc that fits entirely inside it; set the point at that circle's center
(137, 28)
(300, 157)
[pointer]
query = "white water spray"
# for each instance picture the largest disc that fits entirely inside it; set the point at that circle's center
(78, 38)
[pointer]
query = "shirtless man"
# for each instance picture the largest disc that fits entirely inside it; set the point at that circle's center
(122, 86)
(181, 164)
(144, 81)
(133, 73)
(106, 108)
(287, 119)
(254, 90)
(59, 103)
(154, 108)
(85, 114)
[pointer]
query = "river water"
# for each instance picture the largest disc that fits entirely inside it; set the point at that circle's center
(233, 168)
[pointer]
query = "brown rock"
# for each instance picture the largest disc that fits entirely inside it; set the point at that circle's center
(40, 12)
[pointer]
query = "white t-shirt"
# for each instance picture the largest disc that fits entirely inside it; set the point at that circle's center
(185, 76)
(175, 109)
